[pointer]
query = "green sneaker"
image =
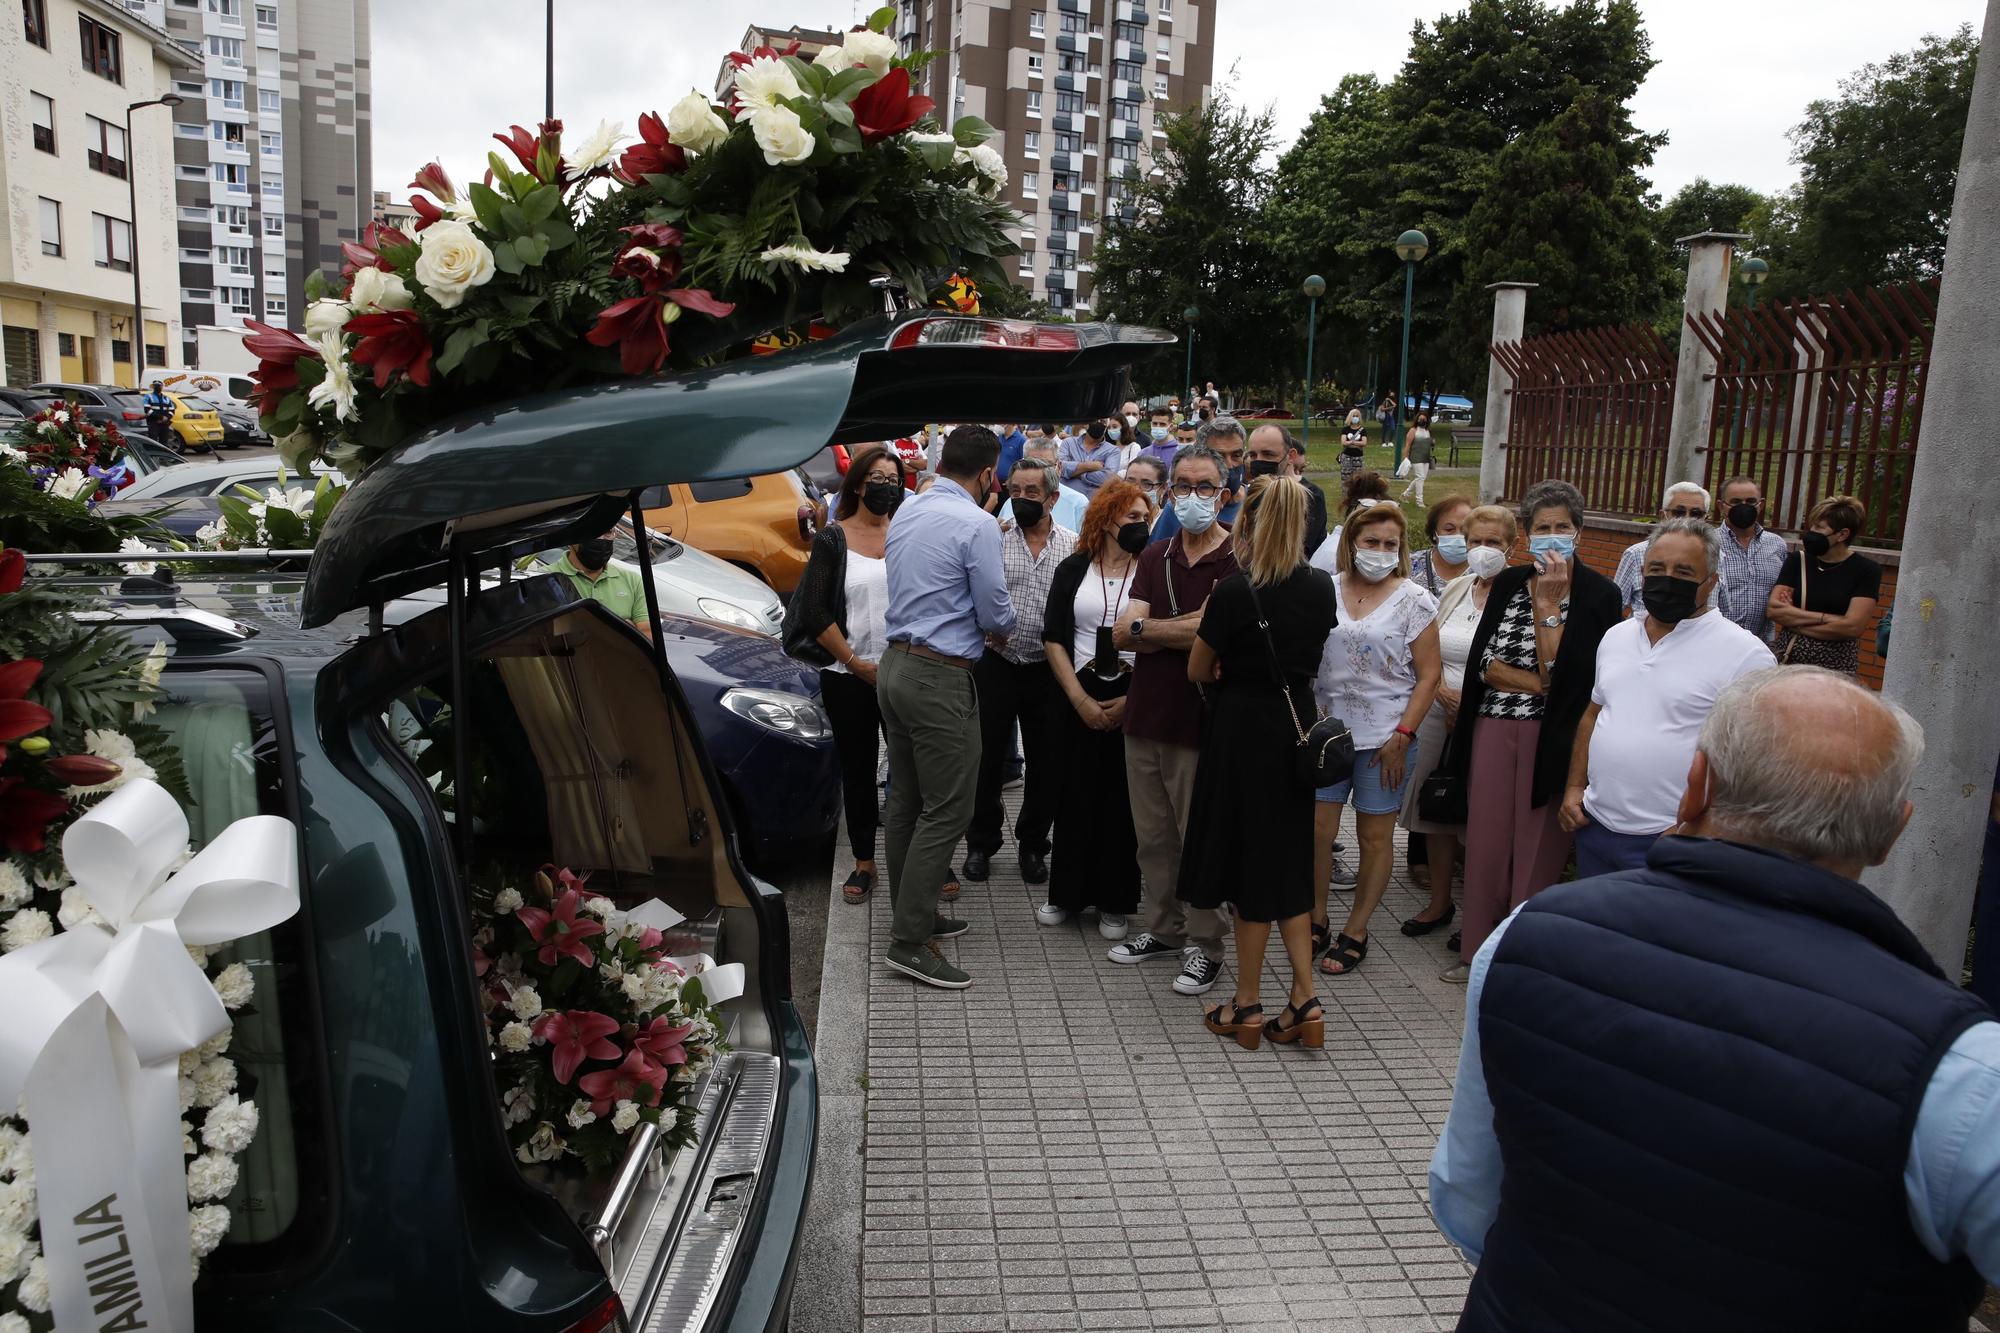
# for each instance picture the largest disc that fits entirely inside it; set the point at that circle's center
(927, 965)
(949, 927)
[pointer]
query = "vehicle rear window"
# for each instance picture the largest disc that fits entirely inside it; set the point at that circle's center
(725, 488)
(656, 497)
(199, 404)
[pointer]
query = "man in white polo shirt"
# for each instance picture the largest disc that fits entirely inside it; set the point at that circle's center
(1657, 678)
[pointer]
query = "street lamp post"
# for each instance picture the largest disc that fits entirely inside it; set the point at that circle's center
(132, 233)
(549, 62)
(1314, 287)
(1753, 272)
(1191, 314)
(1411, 246)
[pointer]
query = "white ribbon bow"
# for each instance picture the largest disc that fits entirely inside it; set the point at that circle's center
(98, 1018)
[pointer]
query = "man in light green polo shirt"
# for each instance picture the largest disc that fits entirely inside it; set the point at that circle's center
(588, 566)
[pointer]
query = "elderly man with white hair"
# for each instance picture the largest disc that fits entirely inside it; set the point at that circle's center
(1730, 1091)
(1684, 499)
(1658, 676)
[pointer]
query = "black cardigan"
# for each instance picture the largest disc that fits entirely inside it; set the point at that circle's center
(1594, 607)
(1059, 617)
(820, 599)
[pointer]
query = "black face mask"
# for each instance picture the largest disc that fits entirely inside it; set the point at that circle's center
(1260, 467)
(1029, 513)
(1743, 514)
(881, 497)
(1816, 544)
(1132, 537)
(1669, 600)
(594, 555)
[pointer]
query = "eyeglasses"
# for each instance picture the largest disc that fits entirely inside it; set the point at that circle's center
(1206, 490)
(1685, 512)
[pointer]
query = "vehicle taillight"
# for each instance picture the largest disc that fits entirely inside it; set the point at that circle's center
(606, 1318)
(842, 457)
(130, 415)
(959, 331)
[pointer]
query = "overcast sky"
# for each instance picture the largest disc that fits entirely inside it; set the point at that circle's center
(1732, 77)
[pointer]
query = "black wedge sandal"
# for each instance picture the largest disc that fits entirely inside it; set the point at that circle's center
(1307, 1026)
(1245, 1024)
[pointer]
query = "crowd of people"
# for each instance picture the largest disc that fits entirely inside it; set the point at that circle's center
(1158, 607)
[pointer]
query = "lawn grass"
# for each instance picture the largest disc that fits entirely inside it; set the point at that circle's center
(1323, 468)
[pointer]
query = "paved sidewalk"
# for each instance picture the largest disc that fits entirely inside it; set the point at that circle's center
(1063, 1146)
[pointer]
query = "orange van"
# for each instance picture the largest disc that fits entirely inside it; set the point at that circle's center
(764, 524)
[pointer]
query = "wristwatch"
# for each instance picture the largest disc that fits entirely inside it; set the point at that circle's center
(1138, 629)
(1555, 621)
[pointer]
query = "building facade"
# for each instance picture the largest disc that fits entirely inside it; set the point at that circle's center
(811, 42)
(1074, 90)
(70, 177)
(271, 152)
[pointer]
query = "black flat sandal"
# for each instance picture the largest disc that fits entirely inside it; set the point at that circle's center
(1347, 951)
(1416, 925)
(858, 886)
(1322, 938)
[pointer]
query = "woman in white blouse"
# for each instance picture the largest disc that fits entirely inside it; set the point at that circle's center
(1378, 674)
(1489, 534)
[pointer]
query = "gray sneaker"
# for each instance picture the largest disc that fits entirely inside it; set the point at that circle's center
(1456, 974)
(927, 965)
(1342, 873)
(949, 927)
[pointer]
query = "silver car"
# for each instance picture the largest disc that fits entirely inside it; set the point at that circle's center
(187, 481)
(698, 585)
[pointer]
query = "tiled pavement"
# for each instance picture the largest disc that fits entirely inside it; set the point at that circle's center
(1063, 1146)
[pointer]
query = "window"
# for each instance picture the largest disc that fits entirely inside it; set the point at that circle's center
(1073, 22)
(1166, 8)
(1124, 150)
(1034, 64)
(100, 50)
(238, 299)
(229, 9)
(1126, 69)
(1029, 186)
(229, 49)
(1163, 48)
(65, 344)
(156, 354)
(1057, 298)
(236, 175)
(227, 133)
(121, 349)
(227, 91)
(235, 257)
(187, 129)
(269, 101)
(1129, 32)
(42, 111)
(1065, 180)
(233, 216)
(1031, 143)
(1067, 142)
(1160, 86)
(274, 187)
(105, 146)
(1035, 103)
(113, 237)
(267, 18)
(274, 307)
(1125, 111)
(23, 354)
(1058, 260)
(1037, 24)
(35, 22)
(190, 171)
(273, 225)
(192, 255)
(270, 145)
(1068, 104)
(197, 294)
(51, 228)
(1068, 62)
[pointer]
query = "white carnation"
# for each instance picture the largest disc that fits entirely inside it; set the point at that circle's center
(207, 1225)
(215, 1080)
(230, 1125)
(986, 160)
(326, 317)
(234, 986)
(516, 1037)
(454, 260)
(580, 1114)
(526, 1002)
(785, 141)
(600, 906)
(806, 259)
(24, 928)
(210, 1176)
(76, 909)
(519, 1104)
(633, 985)
(693, 124)
(17, 1207)
(761, 84)
(596, 148)
(625, 1116)
(187, 1140)
(33, 1292)
(375, 289)
(215, 1045)
(873, 50)
(13, 1152)
(929, 137)
(507, 901)
(14, 1323)
(14, 887)
(198, 953)
(14, 1255)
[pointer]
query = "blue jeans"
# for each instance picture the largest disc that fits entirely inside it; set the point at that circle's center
(1599, 851)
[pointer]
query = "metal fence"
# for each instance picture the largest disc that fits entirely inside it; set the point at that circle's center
(1822, 396)
(1592, 407)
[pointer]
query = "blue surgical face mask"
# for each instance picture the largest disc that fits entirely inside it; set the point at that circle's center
(1551, 543)
(1159, 434)
(1196, 514)
(1113, 433)
(1452, 547)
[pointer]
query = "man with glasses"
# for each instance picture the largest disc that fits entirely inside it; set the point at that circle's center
(1163, 718)
(1224, 436)
(1149, 474)
(1684, 499)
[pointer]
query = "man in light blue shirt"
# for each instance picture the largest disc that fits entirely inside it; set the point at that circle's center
(1089, 460)
(947, 596)
(1731, 1090)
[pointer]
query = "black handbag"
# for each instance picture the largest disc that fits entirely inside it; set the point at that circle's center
(1441, 800)
(1325, 753)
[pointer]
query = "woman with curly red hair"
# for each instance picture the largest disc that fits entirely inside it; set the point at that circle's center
(1095, 865)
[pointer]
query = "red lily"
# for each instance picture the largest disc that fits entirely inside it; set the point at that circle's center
(432, 178)
(638, 325)
(25, 814)
(656, 155)
(82, 770)
(522, 145)
(885, 107)
(742, 60)
(637, 1079)
(380, 236)
(278, 352)
(663, 1043)
(539, 154)
(575, 1036)
(392, 340)
(13, 568)
(427, 212)
(18, 717)
(561, 932)
(652, 256)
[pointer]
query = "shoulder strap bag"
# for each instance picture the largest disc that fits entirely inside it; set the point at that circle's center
(1325, 753)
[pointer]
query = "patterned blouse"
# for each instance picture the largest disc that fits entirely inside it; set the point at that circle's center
(1513, 643)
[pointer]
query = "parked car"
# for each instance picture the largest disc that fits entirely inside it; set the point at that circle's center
(219, 477)
(241, 428)
(224, 390)
(10, 413)
(26, 401)
(103, 403)
(697, 585)
(764, 524)
(196, 422)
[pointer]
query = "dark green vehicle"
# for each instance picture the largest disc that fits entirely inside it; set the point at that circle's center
(381, 1192)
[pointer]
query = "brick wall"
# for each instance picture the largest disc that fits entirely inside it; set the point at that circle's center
(1605, 539)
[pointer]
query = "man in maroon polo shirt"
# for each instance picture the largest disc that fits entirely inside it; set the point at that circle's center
(1163, 715)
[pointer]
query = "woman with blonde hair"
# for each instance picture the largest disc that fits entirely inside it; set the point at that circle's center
(1255, 654)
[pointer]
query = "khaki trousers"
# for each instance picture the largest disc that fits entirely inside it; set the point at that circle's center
(1160, 777)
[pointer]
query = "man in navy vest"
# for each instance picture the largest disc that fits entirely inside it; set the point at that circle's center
(1729, 1090)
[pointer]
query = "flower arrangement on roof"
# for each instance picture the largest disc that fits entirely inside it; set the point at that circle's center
(584, 259)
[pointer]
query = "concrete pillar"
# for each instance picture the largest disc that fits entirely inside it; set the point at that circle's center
(1510, 317)
(100, 370)
(51, 344)
(1694, 388)
(1944, 665)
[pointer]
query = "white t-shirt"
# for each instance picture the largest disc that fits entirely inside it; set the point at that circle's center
(867, 586)
(1456, 629)
(1366, 671)
(1099, 602)
(1653, 700)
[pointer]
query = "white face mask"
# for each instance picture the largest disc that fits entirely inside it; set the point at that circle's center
(1486, 561)
(1376, 565)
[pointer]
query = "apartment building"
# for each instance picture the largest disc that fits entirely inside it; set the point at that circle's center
(811, 42)
(271, 152)
(70, 176)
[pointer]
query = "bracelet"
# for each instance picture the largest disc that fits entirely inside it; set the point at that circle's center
(1405, 731)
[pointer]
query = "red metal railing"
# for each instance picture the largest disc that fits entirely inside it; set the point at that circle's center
(1592, 407)
(1822, 396)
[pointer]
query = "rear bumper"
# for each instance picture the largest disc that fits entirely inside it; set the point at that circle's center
(761, 1296)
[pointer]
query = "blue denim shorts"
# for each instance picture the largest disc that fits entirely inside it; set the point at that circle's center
(1365, 791)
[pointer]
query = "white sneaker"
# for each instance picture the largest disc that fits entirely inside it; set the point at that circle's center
(1111, 925)
(1456, 974)
(1051, 915)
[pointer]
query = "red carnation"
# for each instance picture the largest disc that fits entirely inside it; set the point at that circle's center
(278, 352)
(638, 325)
(25, 814)
(885, 107)
(392, 340)
(656, 155)
(13, 568)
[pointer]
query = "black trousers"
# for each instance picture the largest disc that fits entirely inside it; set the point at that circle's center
(857, 735)
(1009, 693)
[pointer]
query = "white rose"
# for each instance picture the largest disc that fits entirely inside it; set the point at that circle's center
(833, 58)
(34, 1289)
(215, 1080)
(580, 1114)
(336, 388)
(785, 141)
(375, 289)
(693, 124)
(210, 1176)
(516, 1037)
(805, 258)
(295, 449)
(626, 1116)
(235, 986)
(453, 261)
(526, 1002)
(25, 928)
(596, 148)
(873, 49)
(327, 316)
(14, 889)
(759, 85)
(507, 901)
(207, 1225)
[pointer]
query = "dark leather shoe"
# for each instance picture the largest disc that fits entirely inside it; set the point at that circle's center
(1035, 867)
(977, 864)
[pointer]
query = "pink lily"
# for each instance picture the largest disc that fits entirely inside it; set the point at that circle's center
(663, 1043)
(562, 932)
(576, 1035)
(637, 1079)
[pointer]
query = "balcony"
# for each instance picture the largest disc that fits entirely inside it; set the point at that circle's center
(1062, 161)
(1125, 129)
(1072, 6)
(1129, 12)
(1067, 121)
(1127, 90)
(1068, 83)
(1069, 41)
(1063, 202)
(1135, 52)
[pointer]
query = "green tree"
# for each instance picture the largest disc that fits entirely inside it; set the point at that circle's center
(1702, 205)
(1196, 236)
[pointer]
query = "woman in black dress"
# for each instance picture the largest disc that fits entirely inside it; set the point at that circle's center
(1263, 865)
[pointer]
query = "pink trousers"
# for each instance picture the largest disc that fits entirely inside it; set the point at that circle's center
(1512, 850)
